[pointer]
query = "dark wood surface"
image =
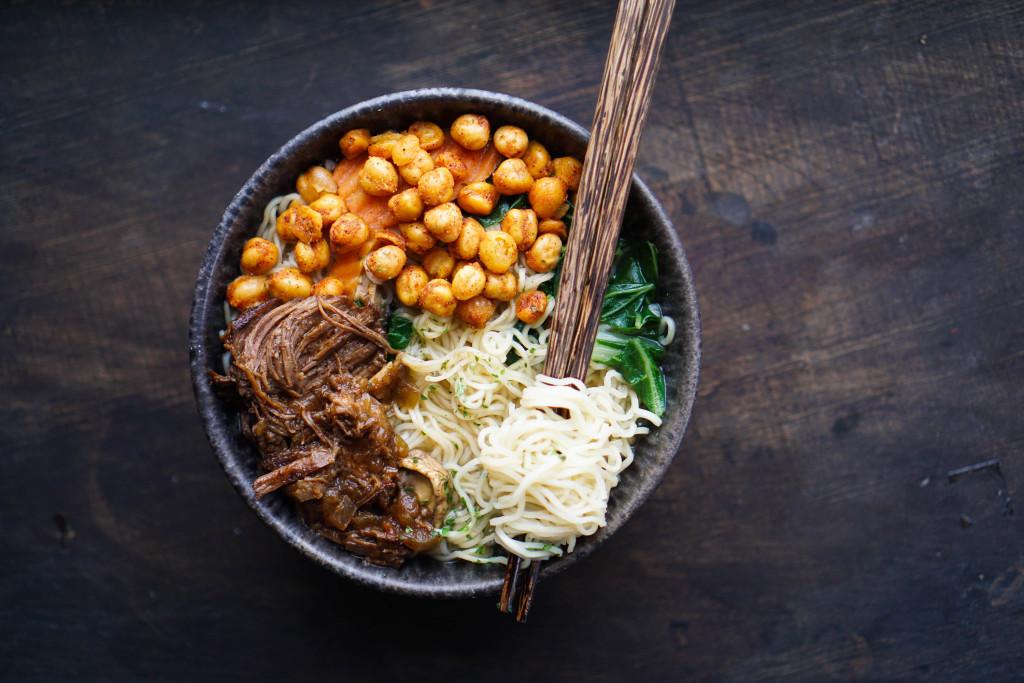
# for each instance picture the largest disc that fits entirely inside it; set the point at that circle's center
(848, 181)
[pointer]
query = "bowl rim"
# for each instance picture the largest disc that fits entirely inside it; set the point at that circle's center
(271, 510)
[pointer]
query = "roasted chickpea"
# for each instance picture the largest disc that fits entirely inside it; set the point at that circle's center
(437, 297)
(552, 226)
(348, 232)
(478, 198)
(547, 196)
(388, 236)
(436, 186)
(430, 134)
(418, 239)
(444, 221)
(410, 284)
(382, 144)
(405, 149)
(545, 253)
(407, 205)
(438, 263)
(530, 306)
(500, 287)
(258, 256)
(312, 256)
(414, 170)
(467, 245)
(314, 183)
(512, 177)
(329, 206)
(569, 169)
(329, 286)
(300, 223)
(521, 225)
(498, 251)
(247, 290)
(476, 311)
(468, 280)
(453, 162)
(538, 161)
(384, 263)
(472, 131)
(511, 141)
(354, 142)
(290, 284)
(378, 177)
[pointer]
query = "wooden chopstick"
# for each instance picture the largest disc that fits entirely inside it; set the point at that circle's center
(629, 73)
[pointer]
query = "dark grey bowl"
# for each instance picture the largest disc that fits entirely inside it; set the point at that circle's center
(645, 220)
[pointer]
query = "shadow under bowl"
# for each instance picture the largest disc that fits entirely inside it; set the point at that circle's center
(645, 219)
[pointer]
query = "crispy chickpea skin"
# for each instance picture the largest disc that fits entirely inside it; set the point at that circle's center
(537, 159)
(430, 134)
(521, 225)
(547, 196)
(552, 226)
(330, 207)
(410, 284)
(312, 256)
(543, 256)
(444, 221)
(258, 256)
(438, 263)
(405, 149)
(418, 239)
(414, 170)
(468, 280)
(437, 298)
(478, 198)
(382, 144)
(247, 290)
(569, 169)
(378, 177)
(407, 205)
(512, 177)
(354, 142)
(467, 245)
(472, 131)
(300, 223)
(290, 284)
(348, 232)
(385, 263)
(530, 306)
(476, 311)
(436, 186)
(454, 163)
(511, 141)
(498, 251)
(329, 286)
(500, 287)
(314, 183)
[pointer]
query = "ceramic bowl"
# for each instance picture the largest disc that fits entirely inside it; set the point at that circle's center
(645, 220)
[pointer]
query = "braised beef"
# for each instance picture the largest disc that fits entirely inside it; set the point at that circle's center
(303, 370)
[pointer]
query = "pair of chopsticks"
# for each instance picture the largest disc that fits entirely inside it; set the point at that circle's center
(629, 74)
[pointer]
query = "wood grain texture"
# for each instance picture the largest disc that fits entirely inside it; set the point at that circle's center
(846, 178)
(630, 70)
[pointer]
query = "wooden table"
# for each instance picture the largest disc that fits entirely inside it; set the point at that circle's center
(848, 181)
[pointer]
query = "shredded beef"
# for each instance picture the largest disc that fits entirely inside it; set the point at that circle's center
(303, 370)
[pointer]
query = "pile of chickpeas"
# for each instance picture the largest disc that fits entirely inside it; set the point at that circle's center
(439, 257)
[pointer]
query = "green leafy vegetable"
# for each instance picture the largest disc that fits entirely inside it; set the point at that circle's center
(640, 369)
(400, 331)
(505, 202)
(628, 334)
